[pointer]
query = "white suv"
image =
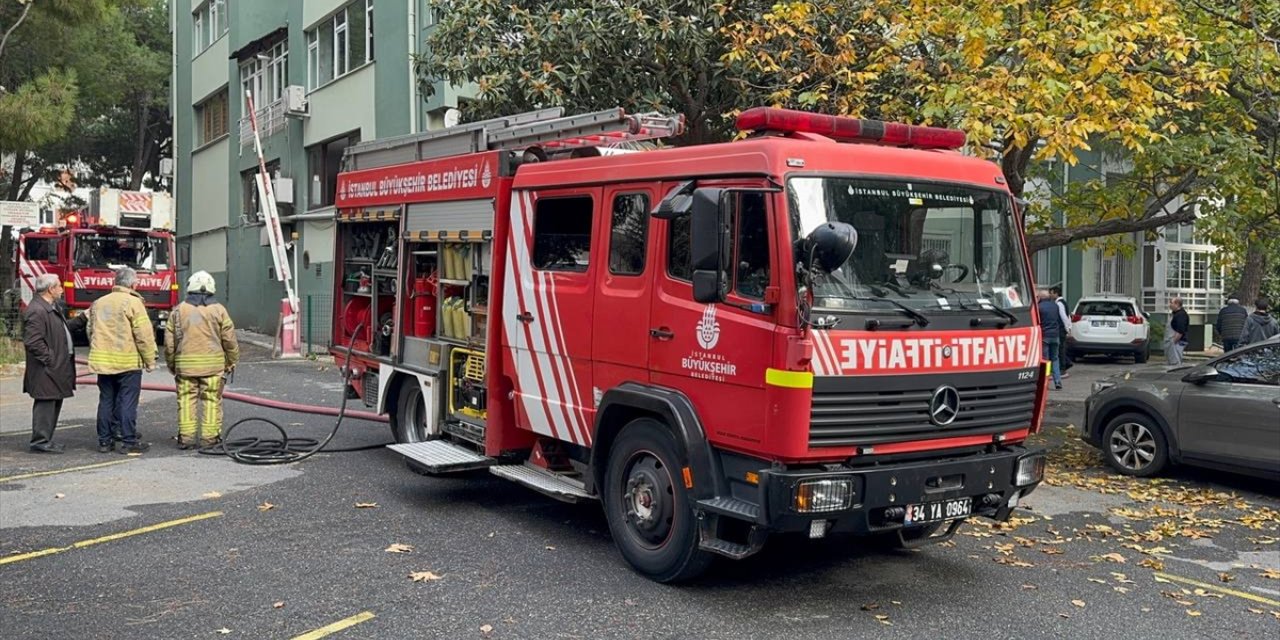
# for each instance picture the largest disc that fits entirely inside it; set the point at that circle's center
(1109, 325)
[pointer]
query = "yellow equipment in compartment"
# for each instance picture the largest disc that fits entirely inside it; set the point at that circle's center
(467, 391)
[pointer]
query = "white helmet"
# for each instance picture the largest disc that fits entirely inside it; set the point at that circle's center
(201, 282)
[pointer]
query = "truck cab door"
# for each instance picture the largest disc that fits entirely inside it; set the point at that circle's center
(553, 258)
(717, 354)
(620, 342)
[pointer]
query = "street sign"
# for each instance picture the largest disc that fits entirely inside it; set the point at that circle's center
(19, 214)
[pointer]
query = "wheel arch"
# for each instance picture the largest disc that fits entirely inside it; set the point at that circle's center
(631, 400)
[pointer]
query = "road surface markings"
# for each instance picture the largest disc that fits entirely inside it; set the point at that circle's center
(55, 472)
(1214, 587)
(115, 536)
(336, 627)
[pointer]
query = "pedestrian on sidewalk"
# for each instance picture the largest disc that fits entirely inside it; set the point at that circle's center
(122, 345)
(1050, 332)
(200, 349)
(1230, 324)
(50, 376)
(1260, 325)
(1063, 356)
(1175, 335)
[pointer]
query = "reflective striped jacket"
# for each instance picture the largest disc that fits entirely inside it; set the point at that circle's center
(120, 335)
(200, 341)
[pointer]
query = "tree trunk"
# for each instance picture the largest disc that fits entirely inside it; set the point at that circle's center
(15, 181)
(14, 190)
(140, 146)
(1255, 266)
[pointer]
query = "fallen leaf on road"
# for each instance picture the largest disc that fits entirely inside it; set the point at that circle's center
(895, 602)
(1208, 594)
(366, 505)
(1226, 577)
(400, 548)
(1063, 615)
(884, 620)
(1078, 603)
(1120, 589)
(1257, 611)
(1152, 563)
(1053, 551)
(1112, 557)
(486, 628)
(278, 605)
(1030, 587)
(224, 631)
(59, 496)
(266, 506)
(550, 548)
(870, 607)
(1193, 613)
(1271, 573)
(211, 494)
(424, 576)
(1098, 580)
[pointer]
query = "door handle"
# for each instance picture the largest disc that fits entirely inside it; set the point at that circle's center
(524, 317)
(661, 333)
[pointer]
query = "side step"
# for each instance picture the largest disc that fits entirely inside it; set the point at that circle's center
(543, 481)
(732, 507)
(442, 456)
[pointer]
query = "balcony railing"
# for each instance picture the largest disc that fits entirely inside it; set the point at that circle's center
(270, 120)
(1193, 300)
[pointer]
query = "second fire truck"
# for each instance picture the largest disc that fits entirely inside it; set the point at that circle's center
(825, 327)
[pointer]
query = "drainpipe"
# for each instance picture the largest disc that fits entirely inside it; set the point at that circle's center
(413, 50)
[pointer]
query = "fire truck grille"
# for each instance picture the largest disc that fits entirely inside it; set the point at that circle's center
(155, 297)
(845, 416)
(148, 297)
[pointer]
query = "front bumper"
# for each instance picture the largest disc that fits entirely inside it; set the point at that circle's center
(881, 492)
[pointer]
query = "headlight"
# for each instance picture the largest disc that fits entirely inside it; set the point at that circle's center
(1102, 385)
(1030, 470)
(162, 315)
(822, 496)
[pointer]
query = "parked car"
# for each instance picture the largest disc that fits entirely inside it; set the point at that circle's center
(1111, 326)
(1224, 414)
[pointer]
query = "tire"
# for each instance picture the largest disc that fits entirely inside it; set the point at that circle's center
(650, 514)
(1141, 356)
(1134, 445)
(407, 421)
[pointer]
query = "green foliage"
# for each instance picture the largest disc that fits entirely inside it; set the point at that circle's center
(40, 111)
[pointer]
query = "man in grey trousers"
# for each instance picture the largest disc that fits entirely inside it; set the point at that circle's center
(50, 376)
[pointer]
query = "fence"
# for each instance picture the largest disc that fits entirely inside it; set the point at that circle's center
(11, 351)
(317, 323)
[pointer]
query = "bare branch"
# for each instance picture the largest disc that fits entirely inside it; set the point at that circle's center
(25, 10)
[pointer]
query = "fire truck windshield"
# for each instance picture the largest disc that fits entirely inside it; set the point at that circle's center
(107, 251)
(924, 245)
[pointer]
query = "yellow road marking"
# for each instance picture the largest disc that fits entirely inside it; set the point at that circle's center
(86, 467)
(1214, 587)
(115, 536)
(336, 627)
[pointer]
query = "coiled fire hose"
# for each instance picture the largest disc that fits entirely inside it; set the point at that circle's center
(284, 449)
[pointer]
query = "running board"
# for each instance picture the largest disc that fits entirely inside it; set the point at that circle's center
(442, 456)
(543, 481)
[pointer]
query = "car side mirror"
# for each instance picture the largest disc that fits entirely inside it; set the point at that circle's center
(709, 244)
(1201, 374)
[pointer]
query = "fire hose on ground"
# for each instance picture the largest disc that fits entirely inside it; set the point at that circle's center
(281, 450)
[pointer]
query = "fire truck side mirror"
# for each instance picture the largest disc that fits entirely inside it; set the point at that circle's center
(709, 244)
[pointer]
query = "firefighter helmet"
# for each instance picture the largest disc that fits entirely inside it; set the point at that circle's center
(201, 282)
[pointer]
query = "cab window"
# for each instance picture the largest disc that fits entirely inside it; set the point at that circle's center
(562, 233)
(628, 234)
(43, 249)
(751, 242)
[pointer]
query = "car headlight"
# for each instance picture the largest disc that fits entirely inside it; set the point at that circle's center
(1030, 470)
(1102, 385)
(821, 496)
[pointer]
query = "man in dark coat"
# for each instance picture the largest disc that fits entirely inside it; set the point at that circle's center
(51, 368)
(1230, 324)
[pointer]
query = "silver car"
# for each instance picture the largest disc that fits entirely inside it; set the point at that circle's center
(1223, 414)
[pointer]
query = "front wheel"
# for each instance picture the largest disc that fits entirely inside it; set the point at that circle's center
(649, 512)
(1134, 445)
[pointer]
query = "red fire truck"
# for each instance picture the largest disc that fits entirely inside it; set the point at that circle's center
(116, 229)
(824, 327)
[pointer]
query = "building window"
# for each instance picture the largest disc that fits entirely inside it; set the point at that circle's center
(1192, 270)
(208, 24)
(252, 210)
(266, 78)
(629, 234)
(1113, 274)
(212, 115)
(340, 44)
(324, 161)
(562, 234)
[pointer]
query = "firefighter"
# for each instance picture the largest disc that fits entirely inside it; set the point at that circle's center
(201, 351)
(122, 345)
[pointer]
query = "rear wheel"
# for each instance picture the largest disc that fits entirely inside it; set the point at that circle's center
(1141, 356)
(1134, 445)
(409, 422)
(649, 512)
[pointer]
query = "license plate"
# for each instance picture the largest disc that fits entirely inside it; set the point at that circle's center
(1104, 323)
(938, 511)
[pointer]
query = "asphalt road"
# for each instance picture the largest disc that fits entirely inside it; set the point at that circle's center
(216, 549)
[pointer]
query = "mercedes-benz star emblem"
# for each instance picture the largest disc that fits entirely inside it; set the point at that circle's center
(944, 406)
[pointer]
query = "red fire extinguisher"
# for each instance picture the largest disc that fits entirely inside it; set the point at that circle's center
(424, 307)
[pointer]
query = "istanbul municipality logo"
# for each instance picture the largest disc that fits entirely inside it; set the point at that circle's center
(708, 330)
(486, 175)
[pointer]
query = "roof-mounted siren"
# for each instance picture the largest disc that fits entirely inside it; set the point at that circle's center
(893, 134)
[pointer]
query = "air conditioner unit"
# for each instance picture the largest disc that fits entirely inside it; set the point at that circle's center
(283, 188)
(295, 100)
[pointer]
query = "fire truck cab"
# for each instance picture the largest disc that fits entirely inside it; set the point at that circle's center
(825, 327)
(117, 229)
